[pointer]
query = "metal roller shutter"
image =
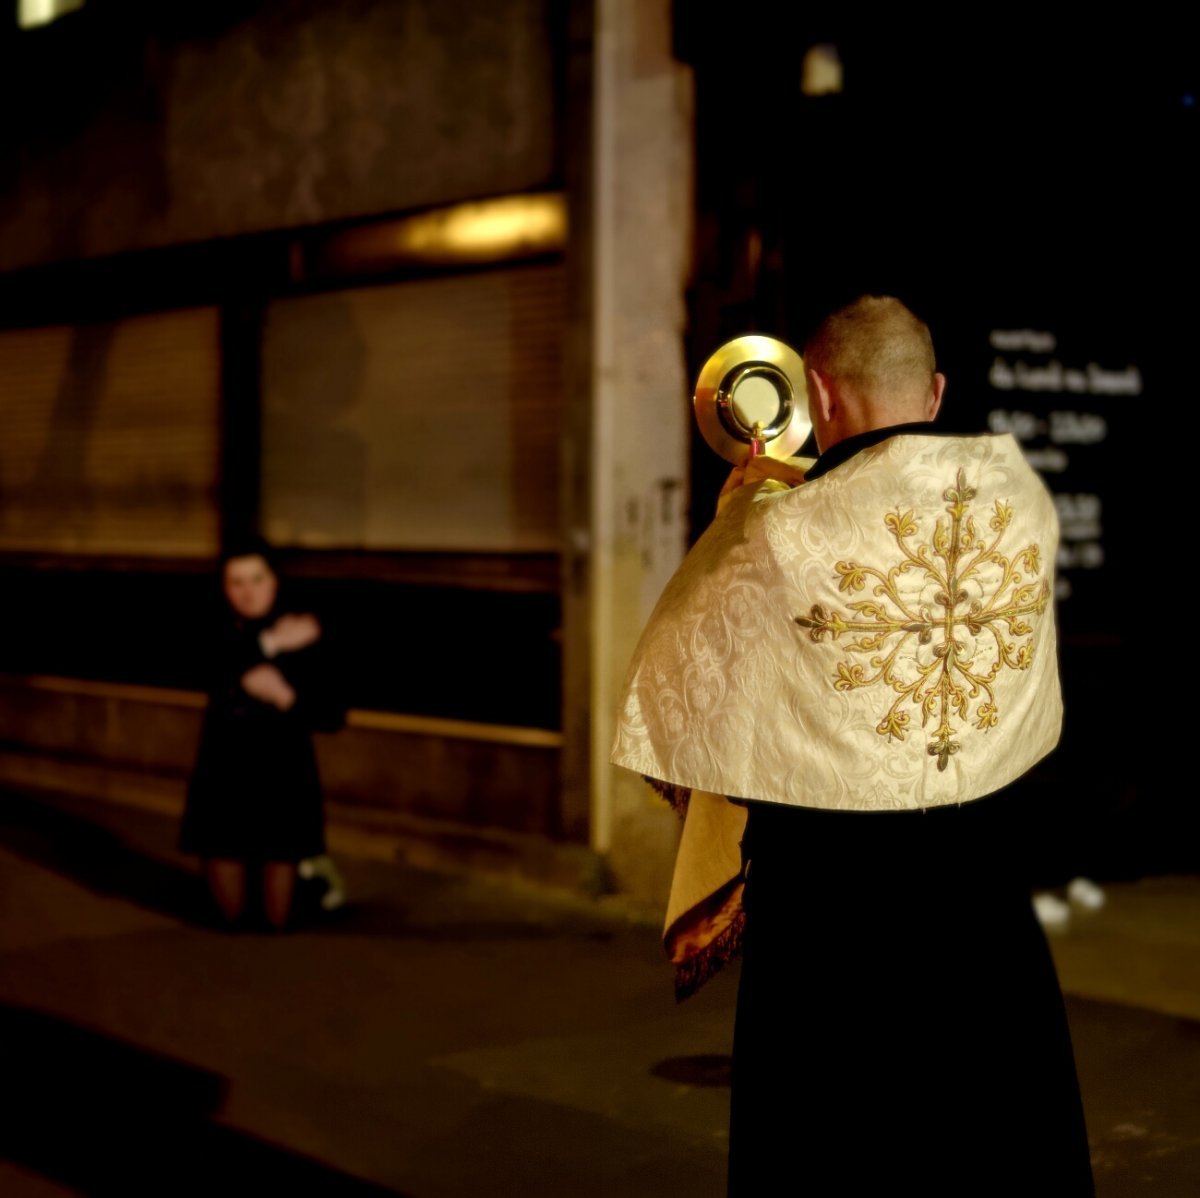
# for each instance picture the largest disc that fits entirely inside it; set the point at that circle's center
(109, 436)
(416, 415)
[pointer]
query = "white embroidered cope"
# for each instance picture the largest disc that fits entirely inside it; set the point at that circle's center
(881, 638)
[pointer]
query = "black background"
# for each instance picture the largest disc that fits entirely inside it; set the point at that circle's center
(998, 176)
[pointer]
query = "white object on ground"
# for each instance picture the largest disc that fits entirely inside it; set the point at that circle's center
(1053, 914)
(1083, 892)
(335, 885)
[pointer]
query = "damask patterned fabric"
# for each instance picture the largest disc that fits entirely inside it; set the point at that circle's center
(880, 638)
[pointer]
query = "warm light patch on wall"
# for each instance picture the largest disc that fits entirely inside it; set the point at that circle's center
(821, 72)
(31, 13)
(512, 227)
(506, 229)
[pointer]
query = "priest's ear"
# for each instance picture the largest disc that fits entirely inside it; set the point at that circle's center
(820, 395)
(935, 400)
(822, 407)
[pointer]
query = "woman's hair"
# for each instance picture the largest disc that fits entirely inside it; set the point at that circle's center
(250, 545)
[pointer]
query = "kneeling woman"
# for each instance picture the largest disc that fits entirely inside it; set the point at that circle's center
(254, 806)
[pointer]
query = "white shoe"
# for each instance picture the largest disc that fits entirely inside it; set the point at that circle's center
(335, 885)
(333, 898)
(1053, 914)
(1084, 893)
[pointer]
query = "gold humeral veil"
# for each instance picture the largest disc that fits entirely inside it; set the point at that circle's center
(880, 638)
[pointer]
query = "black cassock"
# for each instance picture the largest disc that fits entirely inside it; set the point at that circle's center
(255, 793)
(900, 1025)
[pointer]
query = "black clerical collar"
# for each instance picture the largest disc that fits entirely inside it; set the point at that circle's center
(843, 451)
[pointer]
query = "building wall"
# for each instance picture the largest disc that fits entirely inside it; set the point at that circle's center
(642, 237)
(276, 115)
(207, 121)
(128, 741)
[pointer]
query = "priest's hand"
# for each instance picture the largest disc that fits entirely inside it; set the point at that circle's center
(266, 684)
(760, 468)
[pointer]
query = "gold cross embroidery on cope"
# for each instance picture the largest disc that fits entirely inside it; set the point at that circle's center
(938, 673)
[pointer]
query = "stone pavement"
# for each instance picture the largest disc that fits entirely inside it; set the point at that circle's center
(449, 1035)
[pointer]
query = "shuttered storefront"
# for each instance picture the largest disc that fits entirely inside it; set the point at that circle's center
(109, 436)
(422, 415)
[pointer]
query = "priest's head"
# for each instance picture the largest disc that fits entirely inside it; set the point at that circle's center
(870, 365)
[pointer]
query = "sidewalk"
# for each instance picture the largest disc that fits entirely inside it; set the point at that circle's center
(446, 1035)
(438, 1036)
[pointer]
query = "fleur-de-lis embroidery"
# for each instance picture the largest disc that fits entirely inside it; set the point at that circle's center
(948, 688)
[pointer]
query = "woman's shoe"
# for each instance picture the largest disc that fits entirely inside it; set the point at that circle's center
(323, 867)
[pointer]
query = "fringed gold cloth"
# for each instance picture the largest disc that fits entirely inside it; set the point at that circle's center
(703, 929)
(881, 638)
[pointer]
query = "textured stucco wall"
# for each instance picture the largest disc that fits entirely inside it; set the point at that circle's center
(644, 205)
(117, 135)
